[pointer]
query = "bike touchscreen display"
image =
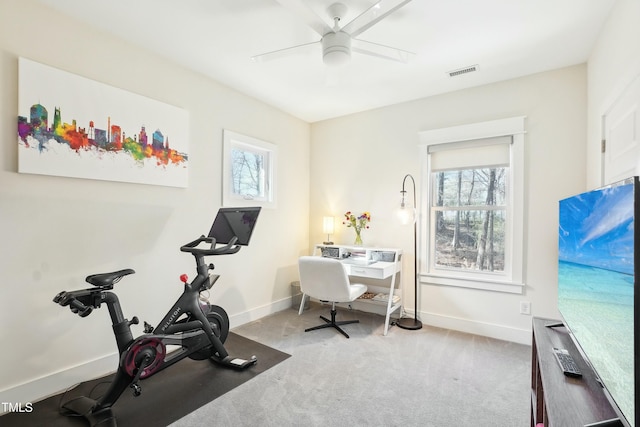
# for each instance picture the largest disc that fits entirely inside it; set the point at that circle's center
(234, 222)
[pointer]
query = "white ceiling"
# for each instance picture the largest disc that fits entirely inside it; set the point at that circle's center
(506, 38)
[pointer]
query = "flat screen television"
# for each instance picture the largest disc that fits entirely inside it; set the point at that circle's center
(234, 222)
(598, 250)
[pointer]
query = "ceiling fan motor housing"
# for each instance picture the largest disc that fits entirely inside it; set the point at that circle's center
(336, 48)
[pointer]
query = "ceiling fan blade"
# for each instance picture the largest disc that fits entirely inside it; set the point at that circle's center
(300, 8)
(280, 53)
(381, 51)
(373, 15)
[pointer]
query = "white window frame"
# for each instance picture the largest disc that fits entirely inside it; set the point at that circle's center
(236, 141)
(512, 280)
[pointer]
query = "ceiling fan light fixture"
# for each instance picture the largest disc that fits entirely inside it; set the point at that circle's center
(336, 48)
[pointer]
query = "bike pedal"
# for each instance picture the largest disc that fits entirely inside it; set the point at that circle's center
(137, 390)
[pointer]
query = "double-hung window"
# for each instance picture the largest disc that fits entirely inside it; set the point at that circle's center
(472, 227)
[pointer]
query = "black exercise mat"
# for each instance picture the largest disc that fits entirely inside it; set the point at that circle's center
(166, 396)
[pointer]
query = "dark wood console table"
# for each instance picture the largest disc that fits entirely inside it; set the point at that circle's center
(558, 400)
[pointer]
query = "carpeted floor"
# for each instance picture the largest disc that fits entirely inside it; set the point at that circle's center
(429, 378)
(166, 396)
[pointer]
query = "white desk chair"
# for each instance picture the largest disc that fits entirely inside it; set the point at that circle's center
(326, 280)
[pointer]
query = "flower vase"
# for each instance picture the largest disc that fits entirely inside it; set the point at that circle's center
(358, 241)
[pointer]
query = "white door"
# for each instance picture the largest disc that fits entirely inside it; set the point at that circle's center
(621, 128)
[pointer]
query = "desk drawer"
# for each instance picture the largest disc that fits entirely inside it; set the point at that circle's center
(374, 273)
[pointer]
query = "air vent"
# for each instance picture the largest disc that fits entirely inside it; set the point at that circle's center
(465, 70)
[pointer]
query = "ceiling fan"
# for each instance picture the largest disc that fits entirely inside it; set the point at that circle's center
(339, 41)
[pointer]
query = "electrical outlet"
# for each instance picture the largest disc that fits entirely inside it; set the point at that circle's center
(525, 307)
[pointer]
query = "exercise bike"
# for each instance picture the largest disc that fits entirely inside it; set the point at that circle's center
(198, 330)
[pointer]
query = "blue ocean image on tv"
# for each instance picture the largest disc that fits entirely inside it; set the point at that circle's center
(596, 284)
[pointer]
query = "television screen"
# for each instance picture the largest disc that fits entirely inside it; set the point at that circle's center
(596, 280)
(234, 222)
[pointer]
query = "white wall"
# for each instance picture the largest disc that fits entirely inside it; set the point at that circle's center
(613, 64)
(55, 231)
(359, 161)
(58, 230)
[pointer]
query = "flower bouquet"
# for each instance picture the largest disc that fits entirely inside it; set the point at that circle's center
(357, 223)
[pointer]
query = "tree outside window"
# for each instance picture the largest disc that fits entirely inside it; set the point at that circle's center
(247, 174)
(249, 166)
(470, 219)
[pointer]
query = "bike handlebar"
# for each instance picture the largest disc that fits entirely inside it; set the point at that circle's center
(229, 248)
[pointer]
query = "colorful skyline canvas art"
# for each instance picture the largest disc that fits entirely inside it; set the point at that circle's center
(72, 126)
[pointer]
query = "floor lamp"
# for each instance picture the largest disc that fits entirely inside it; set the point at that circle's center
(407, 214)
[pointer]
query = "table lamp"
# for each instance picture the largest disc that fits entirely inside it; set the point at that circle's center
(407, 214)
(327, 228)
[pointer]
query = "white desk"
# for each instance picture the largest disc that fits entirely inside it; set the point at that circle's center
(373, 263)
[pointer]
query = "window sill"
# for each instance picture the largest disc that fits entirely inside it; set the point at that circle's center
(486, 285)
(236, 201)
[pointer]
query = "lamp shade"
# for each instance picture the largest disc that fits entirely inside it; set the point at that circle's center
(405, 212)
(406, 215)
(327, 225)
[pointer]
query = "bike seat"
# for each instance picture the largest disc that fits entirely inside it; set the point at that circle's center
(108, 279)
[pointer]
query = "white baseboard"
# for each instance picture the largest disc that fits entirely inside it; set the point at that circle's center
(52, 384)
(501, 332)
(259, 312)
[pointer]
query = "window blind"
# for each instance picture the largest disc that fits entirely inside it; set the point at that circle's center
(478, 153)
